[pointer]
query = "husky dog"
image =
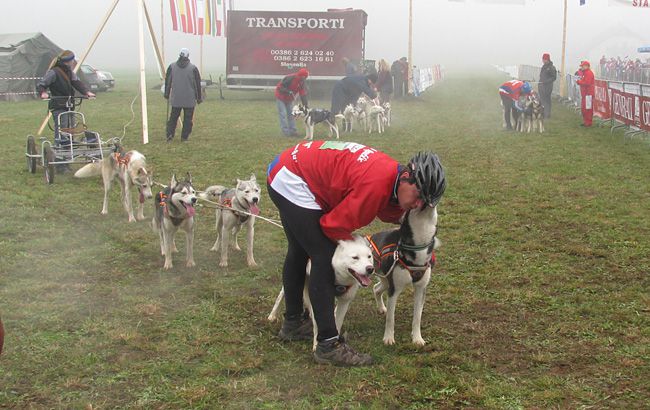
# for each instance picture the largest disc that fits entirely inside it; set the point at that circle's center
(131, 170)
(238, 203)
(387, 114)
(174, 210)
(534, 113)
(315, 116)
(350, 115)
(353, 265)
(376, 117)
(413, 244)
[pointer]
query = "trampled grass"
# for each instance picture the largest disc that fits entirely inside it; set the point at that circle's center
(540, 298)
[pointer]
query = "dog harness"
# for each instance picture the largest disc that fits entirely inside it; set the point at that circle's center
(226, 199)
(163, 199)
(124, 159)
(391, 255)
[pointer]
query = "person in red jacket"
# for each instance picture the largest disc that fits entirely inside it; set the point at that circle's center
(286, 91)
(510, 92)
(325, 190)
(586, 82)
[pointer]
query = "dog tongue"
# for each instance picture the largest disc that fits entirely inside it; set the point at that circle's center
(254, 209)
(190, 210)
(141, 198)
(365, 280)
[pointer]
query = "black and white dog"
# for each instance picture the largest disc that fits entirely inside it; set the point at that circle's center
(315, 116)
(534, 113)
(405, 256)
(174, 210)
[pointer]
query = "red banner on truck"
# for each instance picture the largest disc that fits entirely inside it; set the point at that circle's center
(268, 44)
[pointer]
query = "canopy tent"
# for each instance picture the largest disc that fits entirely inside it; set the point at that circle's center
(24, 58)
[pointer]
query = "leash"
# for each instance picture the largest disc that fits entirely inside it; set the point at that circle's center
(221, 206)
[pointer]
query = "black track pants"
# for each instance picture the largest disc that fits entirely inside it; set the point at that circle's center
(306, 241)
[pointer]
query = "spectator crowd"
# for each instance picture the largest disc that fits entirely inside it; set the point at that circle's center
(625, 69)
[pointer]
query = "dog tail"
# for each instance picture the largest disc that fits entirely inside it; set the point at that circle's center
(212, 192)
(91, 170)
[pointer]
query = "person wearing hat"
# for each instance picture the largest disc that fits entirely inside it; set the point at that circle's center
(183, 91)
(348, 90)
(286, 91)
(547, 76)
(510, 92)
(61, 80)
(324, 191)
(586, 82)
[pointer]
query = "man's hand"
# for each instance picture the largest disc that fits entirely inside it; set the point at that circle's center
(44, 95)
(90, 95)
(199, 101)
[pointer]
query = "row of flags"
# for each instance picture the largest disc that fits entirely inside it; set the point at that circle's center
(199, 17)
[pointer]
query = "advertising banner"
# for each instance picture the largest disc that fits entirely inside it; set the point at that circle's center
(623, 109)
(644, 113)
(601, 100)
(273, 44)
(638, 4)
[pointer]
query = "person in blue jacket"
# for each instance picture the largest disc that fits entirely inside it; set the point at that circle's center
(348, 90)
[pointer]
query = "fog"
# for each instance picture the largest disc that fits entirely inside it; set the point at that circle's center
(459, 35)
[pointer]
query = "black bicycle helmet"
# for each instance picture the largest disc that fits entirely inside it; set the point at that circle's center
(429, 176)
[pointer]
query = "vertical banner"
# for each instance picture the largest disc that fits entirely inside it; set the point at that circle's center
(601, 100)
(622, 106)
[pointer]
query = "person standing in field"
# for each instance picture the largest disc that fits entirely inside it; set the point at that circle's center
(286, 91)
(586, 81)
(547, 76)
(384, 82)
(183, 90)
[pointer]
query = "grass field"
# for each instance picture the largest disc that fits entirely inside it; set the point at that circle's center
(540, 299)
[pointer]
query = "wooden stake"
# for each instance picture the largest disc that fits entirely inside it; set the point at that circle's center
(154, 43)
(562, 67)
(143, 81)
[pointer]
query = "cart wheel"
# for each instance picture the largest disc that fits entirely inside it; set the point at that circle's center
(48, 158)
(31, 150)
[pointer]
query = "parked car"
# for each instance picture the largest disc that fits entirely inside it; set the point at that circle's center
(96, 80)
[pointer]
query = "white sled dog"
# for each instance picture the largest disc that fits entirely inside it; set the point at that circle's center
(245, 197)
(131, 170)
(174, 210)
(414, 243)
(353, 265)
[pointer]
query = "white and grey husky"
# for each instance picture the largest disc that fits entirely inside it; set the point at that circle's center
(131, 170)
(236, 206)
(174, 210)
(414, 243)
(353, 265)
(315, 116)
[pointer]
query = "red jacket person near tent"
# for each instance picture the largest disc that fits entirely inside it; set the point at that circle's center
(286, 91)
(586, 82)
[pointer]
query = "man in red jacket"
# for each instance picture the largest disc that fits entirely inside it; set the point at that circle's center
(286, 91)
(325, 190)
(586, 82)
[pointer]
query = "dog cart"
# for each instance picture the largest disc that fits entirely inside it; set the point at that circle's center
(74, 144)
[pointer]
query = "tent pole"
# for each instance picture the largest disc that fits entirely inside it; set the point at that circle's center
(154, 43)
(162, 32)
(84, 55)
(143, 82)
(563, 73)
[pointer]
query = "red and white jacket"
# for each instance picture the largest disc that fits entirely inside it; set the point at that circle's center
(351, 183)
(511, 89)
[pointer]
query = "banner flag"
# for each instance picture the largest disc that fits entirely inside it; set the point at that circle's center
(199, 17)
(637, 4)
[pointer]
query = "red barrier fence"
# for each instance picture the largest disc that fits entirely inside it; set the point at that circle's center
(601, 100)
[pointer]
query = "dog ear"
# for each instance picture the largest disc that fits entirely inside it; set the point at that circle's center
(253, 178)
(188, 178)
(437, 243)
(172, 183)
(142, 171)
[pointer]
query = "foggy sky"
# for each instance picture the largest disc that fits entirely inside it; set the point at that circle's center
(462, 35)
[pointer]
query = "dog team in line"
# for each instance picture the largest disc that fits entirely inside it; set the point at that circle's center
(320, 207)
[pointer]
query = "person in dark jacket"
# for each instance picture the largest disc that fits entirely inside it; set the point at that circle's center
(350, 68)
(398, 78)
(62, 81)
(384, 82)
(348, 90)
(547, 76)
(286, 91)
(183, 90)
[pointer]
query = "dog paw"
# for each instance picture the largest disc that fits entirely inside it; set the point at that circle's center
(167, 266)
(190, 264)
(389, 340)
(214, 248)
(237, 248)
(223, 264)
(131, 219)
(140, 218)
(272, 317)
(252, 264)
(418, 341)
(103, 212)
(382, 310)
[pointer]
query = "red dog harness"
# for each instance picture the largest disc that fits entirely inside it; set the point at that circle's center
(390, 254)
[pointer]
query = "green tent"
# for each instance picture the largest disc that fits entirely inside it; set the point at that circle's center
(24, 58)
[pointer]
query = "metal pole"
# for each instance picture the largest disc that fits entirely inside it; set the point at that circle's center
(562, 67)
(410, 50)
(143, 81)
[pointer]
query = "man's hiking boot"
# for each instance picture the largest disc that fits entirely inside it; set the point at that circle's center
(299, 328)
(339, 353)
